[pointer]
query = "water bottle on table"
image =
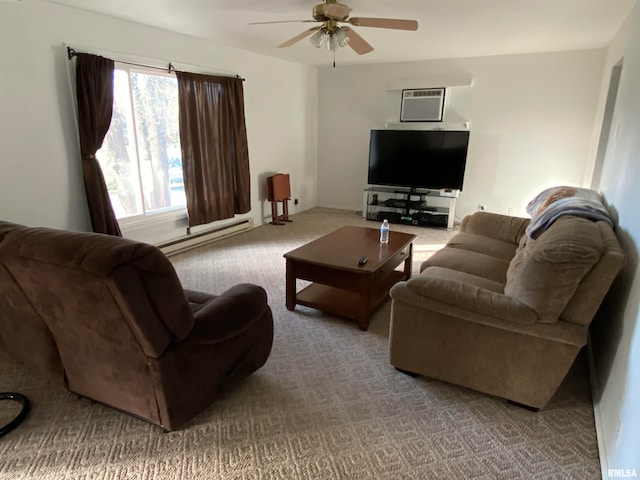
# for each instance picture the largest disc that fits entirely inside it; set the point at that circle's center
(384, 231)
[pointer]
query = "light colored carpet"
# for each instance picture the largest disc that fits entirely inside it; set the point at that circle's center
(327, 405)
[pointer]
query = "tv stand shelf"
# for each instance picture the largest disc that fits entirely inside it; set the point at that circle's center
(429, 208)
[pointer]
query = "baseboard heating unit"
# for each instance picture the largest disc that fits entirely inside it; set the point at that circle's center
(199, 239)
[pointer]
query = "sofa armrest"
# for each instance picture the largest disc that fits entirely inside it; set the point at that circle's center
(229, 314)
(494, 225)
(471, 297)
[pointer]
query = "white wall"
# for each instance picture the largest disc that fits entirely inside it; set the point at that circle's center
(615, 335)
(40, 173)
(531, 119)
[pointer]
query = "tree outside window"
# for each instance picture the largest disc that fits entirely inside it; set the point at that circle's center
(140, 156)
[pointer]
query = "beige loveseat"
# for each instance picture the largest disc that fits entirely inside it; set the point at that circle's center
(502, 313)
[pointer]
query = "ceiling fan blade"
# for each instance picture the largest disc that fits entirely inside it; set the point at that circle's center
(384, 23)
(359, 44)
(336, 10)
(284, 21)
(299, 37)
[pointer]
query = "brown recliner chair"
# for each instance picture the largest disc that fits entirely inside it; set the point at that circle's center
(108, 318)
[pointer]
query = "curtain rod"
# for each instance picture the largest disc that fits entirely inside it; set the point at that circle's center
(72, 53)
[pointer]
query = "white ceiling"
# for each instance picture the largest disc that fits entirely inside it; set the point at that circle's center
(447, 28)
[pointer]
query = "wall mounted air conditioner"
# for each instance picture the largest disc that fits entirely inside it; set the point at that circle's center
(422, 105)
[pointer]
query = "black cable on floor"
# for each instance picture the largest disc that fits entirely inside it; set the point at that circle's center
(24, 411)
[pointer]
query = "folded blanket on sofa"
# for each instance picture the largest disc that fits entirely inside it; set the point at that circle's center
(554, 202)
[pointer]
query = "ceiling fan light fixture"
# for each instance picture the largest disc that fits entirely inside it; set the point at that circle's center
(332, 42)
(318, 38)
(341, 37)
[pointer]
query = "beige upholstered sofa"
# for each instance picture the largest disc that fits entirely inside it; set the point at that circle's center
(502, 313)
(107, 318)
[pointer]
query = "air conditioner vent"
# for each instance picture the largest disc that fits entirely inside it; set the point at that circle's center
(423, 105)
(423, 93)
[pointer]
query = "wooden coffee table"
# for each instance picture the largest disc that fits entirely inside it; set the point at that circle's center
(341, 286)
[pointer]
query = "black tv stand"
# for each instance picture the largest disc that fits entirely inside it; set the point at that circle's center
(410, 206)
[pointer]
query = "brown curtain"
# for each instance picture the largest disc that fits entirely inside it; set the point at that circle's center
(94, 84)
(215, 154)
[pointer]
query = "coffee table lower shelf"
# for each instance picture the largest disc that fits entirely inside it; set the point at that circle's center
(345, 303)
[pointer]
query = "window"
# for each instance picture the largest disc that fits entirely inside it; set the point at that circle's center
(140, 156)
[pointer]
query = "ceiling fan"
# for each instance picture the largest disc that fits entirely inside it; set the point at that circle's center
(333, 34)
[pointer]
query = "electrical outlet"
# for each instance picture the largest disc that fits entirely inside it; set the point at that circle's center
(482, 207)
(295, 201)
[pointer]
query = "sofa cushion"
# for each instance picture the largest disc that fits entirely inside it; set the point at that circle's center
(475, 263)
(463, 277)
(482, 244)
(465, 291)
(493, 225)
(545, 273)
(197, 300)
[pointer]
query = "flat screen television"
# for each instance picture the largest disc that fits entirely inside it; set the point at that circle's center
(429, 159)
